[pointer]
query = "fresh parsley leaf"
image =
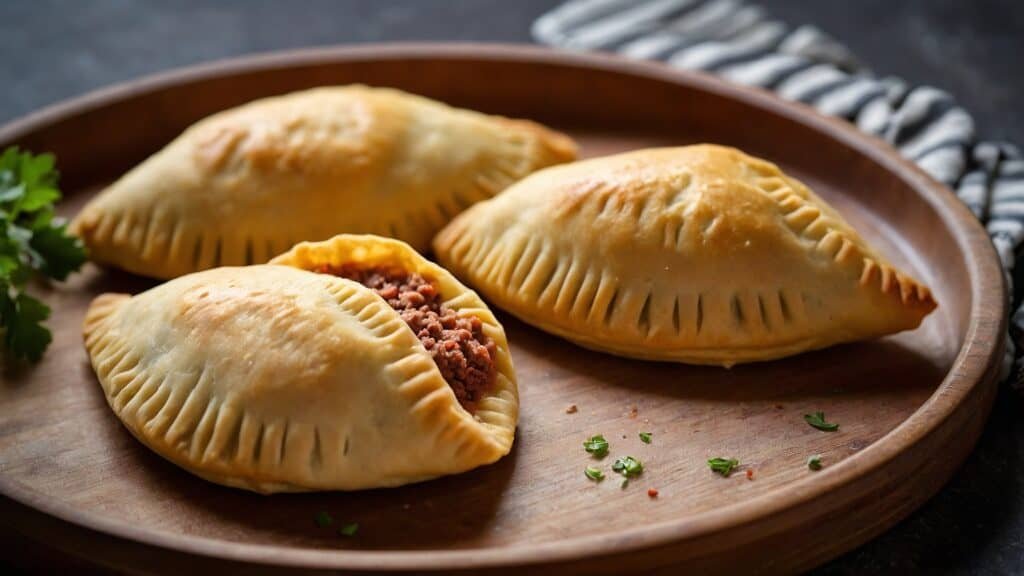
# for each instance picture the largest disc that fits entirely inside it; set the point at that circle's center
(348, 529)
(645, 437)
(323, 519)
(594, 474)
(61, 254)
(37, 198)
(814, 462)
(628, 466)
(597, 446)
(32, 241)
(8, 265)
(723, 466)
(818, 421)
(22, 317)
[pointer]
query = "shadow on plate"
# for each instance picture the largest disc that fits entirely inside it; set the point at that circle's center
(897, 363)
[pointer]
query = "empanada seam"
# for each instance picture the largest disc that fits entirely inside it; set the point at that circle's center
(680, 235)
(784, 195)
(144, 244)
(250, 252)
(583, 301)
(550, 272)
(481, 257)
(700, 314)
(117, 382)
(225, 449)
(218, 247)
(736, 309)
(144, 393)
(609, 309)
(197, 253)
(283, 447)
(257, 446)
(203, 432)
(186, 420)
(316, 453)
(644, 319)
(148, 410)
(763, 314)
(130, 387)
(121, 229)
(568, 290)
(174, 243)
(129, 361)
(675, 314)
(525, 265)
(167, 414)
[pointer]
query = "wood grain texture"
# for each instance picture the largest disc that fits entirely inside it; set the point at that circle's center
(910, 406)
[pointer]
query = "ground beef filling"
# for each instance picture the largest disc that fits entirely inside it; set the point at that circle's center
(461, 350)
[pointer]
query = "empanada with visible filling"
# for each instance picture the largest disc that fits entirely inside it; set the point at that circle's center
(246, 184)
(698, 254)
(273, 378)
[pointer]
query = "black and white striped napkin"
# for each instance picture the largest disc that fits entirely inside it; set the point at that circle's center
(740, 42)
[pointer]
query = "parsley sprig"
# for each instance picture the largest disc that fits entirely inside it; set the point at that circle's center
(32, 241)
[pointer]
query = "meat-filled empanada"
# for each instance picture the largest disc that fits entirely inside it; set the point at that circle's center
(272, 378)
(699, 254)
(246, 184)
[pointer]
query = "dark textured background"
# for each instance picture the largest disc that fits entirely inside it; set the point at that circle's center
(50, 50)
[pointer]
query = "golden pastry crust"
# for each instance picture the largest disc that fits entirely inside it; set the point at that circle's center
(243, 185)
(699, 254)
(275, 379)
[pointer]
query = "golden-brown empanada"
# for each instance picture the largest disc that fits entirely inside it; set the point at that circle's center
(246, 184)
(272, 378)
(699, 254)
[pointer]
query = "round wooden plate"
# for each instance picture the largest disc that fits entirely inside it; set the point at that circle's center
(910, 406)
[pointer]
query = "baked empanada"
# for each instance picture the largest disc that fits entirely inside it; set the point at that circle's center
(246, 184)
(699, 254)
(272, 378)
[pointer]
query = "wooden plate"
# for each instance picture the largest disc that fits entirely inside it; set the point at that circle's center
(910, 406)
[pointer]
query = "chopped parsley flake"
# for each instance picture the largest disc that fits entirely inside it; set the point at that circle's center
(596, 446)
(323, 519)
(594, 474)
(628, 466)
(818, 421)
(814, 462)
(645, 437)
(349, 529)
(723, 466)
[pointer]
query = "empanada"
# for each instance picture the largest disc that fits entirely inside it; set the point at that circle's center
(246, 184)
(699, 254)
(272, 378)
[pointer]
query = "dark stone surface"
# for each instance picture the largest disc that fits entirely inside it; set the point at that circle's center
(55, 49)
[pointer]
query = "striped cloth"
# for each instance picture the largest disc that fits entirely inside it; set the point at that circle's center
(740, 42)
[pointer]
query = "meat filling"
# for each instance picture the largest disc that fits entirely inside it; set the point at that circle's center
(461, 350)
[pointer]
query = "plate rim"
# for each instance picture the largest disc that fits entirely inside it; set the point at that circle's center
(975, 366)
